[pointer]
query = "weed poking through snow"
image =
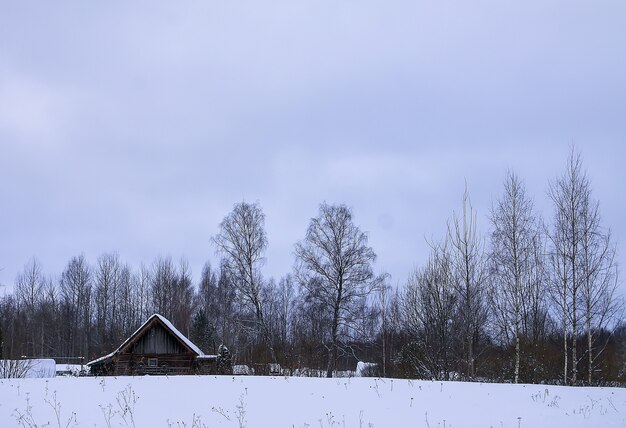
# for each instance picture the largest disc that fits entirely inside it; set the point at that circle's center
(26, 419)
(241, 412)
(56, 406)
(126, 401)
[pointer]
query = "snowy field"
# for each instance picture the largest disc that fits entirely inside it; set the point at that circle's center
(248, 401)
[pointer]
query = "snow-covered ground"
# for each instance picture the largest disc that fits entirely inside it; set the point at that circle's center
(235, 401)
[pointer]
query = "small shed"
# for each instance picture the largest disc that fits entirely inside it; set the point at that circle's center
(156, 347)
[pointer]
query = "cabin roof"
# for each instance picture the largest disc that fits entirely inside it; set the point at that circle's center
(168, 326)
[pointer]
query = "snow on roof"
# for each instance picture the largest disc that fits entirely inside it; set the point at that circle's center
(104, 357)
(168, 324)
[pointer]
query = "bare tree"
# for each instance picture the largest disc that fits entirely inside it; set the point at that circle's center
(107, 275)
(383, 300)
(183, 298)
(127, 305)
(430, 304)
(29, 286)
(468, 259)
(334, 265)
(76, 287)
(227, 326)
(162, 283)
(1, 340)
(141, 295)
(393, 328)
(207, 300)
(598, 268)
(570, 196)
(286, 294)
(517, 295)
(242, 243)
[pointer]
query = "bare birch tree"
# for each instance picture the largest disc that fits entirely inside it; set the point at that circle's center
(242, 243)
(598, 268)
(334, 265)
(569, 194)
(517, 292)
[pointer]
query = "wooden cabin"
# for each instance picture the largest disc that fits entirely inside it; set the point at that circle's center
(155, 348)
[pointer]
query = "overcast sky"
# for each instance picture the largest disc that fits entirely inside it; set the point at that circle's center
(135, 126)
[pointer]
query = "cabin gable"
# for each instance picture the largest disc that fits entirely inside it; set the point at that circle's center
(156, 340)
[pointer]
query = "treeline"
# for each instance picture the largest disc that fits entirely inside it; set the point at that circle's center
(531, 301)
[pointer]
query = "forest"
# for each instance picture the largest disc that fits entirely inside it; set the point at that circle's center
(532, 300)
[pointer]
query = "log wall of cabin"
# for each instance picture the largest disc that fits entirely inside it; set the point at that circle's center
(170, 364)
(137, 364)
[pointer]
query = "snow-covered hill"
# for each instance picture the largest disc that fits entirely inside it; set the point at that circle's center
(235, 401)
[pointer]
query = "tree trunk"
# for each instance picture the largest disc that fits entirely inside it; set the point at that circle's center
(574, 337)
(265, 333)
(332, 354)
(470, 356)
(517, 358)
(589, 349)
(565, 354)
